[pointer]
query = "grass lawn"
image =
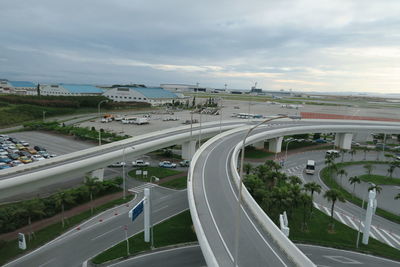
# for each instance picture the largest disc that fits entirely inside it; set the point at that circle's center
(257, 154)
(10, 250)
(342, 237)
(180, 225)
(326, 176)
(379, 179)
(179, 183)
(154, 171)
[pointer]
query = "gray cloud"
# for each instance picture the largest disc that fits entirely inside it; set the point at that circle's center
(305, 45)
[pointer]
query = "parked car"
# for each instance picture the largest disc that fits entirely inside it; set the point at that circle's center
(25, 159)
(39, 148)
(16, 163)
(320, 141)
(118, 164)
(24, 143)
(13, 156)
(184, 163)
(44, 154)
(140, 163)
(3, 152)
(5, 159)
(31, 150)
(37, 158)
(3, 166)
(167, 164)
(20, 146)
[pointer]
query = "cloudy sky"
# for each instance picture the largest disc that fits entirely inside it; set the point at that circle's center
(308, 45)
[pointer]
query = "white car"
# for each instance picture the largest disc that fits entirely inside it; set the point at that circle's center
(118, 164)
(140, 163)
(37, 158)
(15, 163)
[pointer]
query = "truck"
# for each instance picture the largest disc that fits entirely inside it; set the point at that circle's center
(140, 163)
(184, 163)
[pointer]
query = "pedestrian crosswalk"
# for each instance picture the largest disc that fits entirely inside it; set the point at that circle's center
(139, 189)
(383, 235)
(295, 170)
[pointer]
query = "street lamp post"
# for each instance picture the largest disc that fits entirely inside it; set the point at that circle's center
(151, 218)
(98, 108)
(239, 203)
(220, 118)
(287, 145)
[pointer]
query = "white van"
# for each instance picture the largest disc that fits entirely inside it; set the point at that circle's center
(310, 167)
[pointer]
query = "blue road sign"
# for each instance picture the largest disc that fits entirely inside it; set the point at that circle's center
(135, 212)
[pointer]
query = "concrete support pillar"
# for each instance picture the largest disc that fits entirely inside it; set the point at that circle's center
(259, 145)
(343, 140)
(98, 174)
(275, 145)
(188, 150)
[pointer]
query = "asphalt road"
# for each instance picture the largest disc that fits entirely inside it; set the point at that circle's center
(192, 256)
(76, 246)
(216, 200)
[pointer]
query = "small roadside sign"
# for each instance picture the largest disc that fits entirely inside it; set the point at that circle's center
(135, 212)
(21, 241)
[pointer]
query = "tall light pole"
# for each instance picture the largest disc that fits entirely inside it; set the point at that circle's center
(287, 144)
(239, 203)
(123, 171)
(220, 117)
(98, 108)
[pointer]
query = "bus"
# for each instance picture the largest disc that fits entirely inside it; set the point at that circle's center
(310, 167)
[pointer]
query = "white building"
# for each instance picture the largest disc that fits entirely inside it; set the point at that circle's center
(70, 90)
(18, 87)
(154, 96)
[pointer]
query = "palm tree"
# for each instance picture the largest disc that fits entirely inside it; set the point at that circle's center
(273, 165)
(352, 153)
(391, 170)
(333, 195)
(368, 167)
(342, 172)
(247, 168)
(354, 180)
(377, 188)
(305, 200)
(312, 187)
(366, 149)
(261, 172)
(293, 180)
(93, 187)
(62, 198)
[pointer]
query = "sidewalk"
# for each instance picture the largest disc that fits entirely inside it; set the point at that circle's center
(57, 218)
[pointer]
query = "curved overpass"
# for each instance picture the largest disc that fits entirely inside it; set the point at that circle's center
(212, 190)
(212, 183)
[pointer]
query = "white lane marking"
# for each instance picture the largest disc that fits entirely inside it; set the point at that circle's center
(103, 234)
(47, 262)
(248, 218)
(316, 206)
(340, 217)
(166, 206)
(383, 237)
(342, 259)
(209, 208)
(153, 253)
(347, 252)
(327, 211)
(352, 222)
(391, 236)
